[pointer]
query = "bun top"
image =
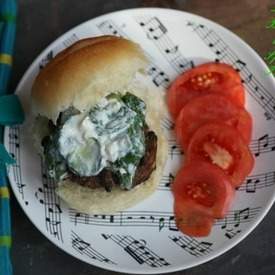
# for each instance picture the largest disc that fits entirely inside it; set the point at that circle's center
(93, 66)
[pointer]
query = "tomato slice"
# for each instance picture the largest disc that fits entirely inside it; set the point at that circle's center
(203, 187)
(222, 146)
(192, 222)
(209, 108)
(206, 78)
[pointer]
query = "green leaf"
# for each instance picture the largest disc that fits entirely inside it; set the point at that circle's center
(56, 164)
(134, 103)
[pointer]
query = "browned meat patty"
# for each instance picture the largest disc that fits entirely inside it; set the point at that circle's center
(105, 179)
(108, 179)
(148, 163)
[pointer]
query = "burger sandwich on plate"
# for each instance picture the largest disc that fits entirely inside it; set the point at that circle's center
(97, 125)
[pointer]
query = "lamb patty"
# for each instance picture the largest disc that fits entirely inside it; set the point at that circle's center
(107, 179)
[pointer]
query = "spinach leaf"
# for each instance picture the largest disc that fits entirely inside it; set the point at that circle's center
(126, 166)
(56, 165)
(112, 116)
(134, 103)
(119, 115)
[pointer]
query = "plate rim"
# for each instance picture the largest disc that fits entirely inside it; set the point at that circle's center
(219, 251)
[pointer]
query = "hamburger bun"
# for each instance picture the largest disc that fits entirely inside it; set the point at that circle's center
(79, 77)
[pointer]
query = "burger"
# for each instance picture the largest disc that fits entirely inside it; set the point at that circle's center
(97, 125)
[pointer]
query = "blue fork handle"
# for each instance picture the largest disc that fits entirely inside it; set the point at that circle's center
(8, 12)
(5, 221)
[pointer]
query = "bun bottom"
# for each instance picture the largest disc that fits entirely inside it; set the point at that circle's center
(98, 201)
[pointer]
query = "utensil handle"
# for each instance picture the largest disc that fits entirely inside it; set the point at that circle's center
(5, 221)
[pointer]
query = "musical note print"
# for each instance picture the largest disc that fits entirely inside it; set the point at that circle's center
(137, 249)
(250, 185)
(70, 40)
(230, 224)
(85, 248)
(192, 246)
(52, 206)
(241, 215)
(109, 27)
(51, 202)
(256, 182)
(238, 216)
(233, 231)
(224, 53)
(46, 59)
(168, 124)
(174, 149)
(264, 144)
(14, 150)
(155, 29)
(159, 77)
(156, 219)
(157, 32)
(50, 55)
(165, 182)
(80, 217)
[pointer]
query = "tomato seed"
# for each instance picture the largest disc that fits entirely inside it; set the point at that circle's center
(199, 79)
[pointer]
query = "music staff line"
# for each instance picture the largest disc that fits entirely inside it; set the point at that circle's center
(159, 77)
(157, 219)
(166, 182)
(50, 55)
(225, 53)
(264, 144)
(158, 34)
(52, 210)
(138, 250)
(85, 248)
(150, 219)
(174, 148)
(192, 246)
(250, 185)
(14, 150)
(237, 217)
(167, 124)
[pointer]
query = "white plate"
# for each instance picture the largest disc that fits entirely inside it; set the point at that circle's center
(144, 239)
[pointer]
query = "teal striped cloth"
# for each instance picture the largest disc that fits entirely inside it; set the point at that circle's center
(7, 34)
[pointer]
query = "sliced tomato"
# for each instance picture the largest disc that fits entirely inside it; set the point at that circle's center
(206, 78)
(222, 146)
(203, 187)
(209, 108)
(192, 222)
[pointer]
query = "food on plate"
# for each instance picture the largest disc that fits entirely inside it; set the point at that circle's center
(222, 146)
(206, 78)
(202, 186)
(98, 126)
(191, 221)
(211, 108)
(214, 130)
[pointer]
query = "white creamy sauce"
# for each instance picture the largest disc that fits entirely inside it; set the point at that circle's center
(87, 147)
